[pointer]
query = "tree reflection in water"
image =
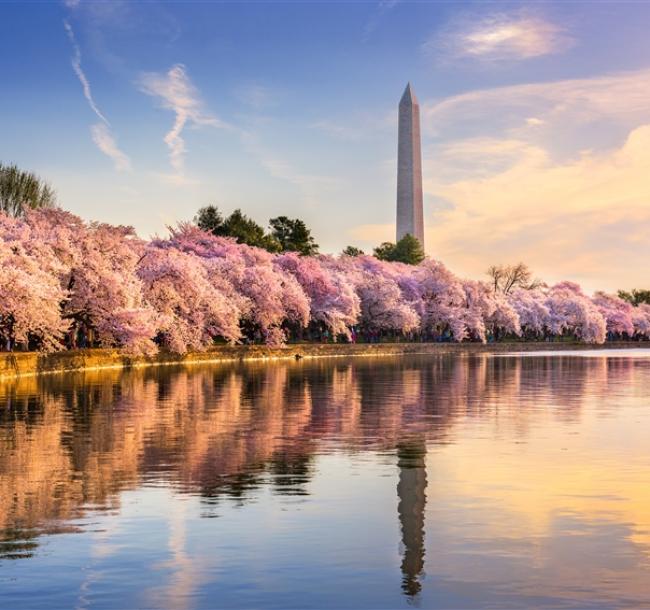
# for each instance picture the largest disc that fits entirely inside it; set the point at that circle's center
(68, 444)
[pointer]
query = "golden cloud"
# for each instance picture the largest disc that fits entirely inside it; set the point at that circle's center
(585, 219)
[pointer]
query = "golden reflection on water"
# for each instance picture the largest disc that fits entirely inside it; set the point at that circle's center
(521, 459)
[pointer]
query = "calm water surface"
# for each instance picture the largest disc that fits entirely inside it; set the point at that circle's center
(434, 481)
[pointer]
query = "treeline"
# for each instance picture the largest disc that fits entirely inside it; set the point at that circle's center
(286, 234)
(66, 283)
(292, 235)
(635, 297)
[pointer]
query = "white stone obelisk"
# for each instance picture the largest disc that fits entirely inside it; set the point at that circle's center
(409, 169)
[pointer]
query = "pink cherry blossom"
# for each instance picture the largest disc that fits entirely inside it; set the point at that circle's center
(572, 311)
(534, 314)
(190, 310)
(333, 300)
(30, 300)
(268, 295)
(443, 300)
(641, 320)
(61, 277)
(617, 313)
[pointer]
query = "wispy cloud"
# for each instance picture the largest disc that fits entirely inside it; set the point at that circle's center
(76, 66)
(623, 96)
(177, 93)
(499, 37)
(100, 132)
(105, 141)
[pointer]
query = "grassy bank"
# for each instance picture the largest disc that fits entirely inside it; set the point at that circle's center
(19, 364)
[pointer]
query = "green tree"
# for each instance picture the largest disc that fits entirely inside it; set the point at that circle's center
(353, 251)
(21, 191)
(635, 296)
(292, 235)
(210, 219)
(407, 250)
(244, 229)
(385, 251)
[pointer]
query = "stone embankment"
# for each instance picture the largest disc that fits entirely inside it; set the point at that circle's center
(19, 364)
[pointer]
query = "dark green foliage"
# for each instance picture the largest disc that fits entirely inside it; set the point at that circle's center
(353, 251)
(385, 251)
(635, 296)
(287, 234)
(244, 229)
(210, 219)
(407, 250)
(21, 191)
(293, 235)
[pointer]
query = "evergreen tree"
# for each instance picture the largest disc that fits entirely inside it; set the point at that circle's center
(210, 219)
(243, 228)
(292, 235)
(246, 231)
(353, 251)
(385, 251)
(635, 296)
(407, 250)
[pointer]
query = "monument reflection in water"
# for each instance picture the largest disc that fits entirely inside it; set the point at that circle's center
(535, 468)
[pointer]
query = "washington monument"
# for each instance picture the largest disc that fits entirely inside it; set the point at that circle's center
(409, 168)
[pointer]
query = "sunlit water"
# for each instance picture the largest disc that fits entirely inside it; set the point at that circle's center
(435, 481)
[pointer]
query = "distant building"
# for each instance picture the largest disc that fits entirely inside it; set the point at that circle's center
(409, 169)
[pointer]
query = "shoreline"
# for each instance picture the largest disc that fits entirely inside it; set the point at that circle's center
(15, 365)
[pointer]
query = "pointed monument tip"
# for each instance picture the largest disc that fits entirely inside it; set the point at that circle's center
(408, 96)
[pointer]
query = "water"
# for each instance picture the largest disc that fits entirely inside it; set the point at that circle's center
(433, 481)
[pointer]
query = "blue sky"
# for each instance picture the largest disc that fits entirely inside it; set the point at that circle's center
(535, 120)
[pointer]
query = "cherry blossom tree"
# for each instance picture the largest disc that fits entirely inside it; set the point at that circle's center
(190, 311)
(617, 313)
(505, 318)
(30, 300)
(273, 296)
(534, 315)
(387, 302)
(106, 293)
(443, 300)
(572, 311)
(95, 269)
(333, 300)
(382, 306)
(61, 277)
(641, 320)
(486, 310)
